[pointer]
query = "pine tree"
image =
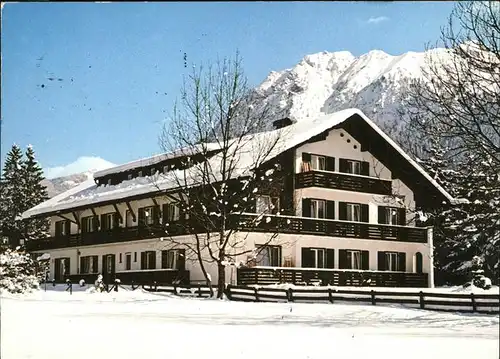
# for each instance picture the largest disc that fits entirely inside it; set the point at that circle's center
(13, 201)
(34, 193)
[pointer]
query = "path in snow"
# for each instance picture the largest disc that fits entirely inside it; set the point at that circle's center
(138, 324)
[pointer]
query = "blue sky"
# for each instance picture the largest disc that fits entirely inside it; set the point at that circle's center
(121, 64)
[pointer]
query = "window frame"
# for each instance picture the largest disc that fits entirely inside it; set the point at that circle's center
(392, 260)
(60, 228)
(353, 253)
(88, 262)
(351, 165)
(318, 161)
(315, 211)
(274, 254)
(351, 211)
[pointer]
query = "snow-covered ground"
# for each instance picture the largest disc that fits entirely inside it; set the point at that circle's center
(135, 324)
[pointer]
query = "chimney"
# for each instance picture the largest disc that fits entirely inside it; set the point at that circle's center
(283, 122)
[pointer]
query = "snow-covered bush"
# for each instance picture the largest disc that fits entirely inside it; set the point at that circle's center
(17, 272)
(99, 284)
(82, 282)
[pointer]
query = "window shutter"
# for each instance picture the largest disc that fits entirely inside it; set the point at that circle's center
(115, 220)
(306, 207)
(104, 224)
(381, 261)
(307, 258)
(330, 164)
(330, 258)
(153, 261)
(94, 260)
(113, 264)
(181, 259)
(165, 213)
(381, 215)
(57, 268)
(330, 209)
(68, 227)
(143, 260)
(365, 168)
(402, 261)
(164, 259)
(364, 213)
(156, 214)
(95, 219)
(67, 266)
(343, 259)
(306, 157)
(342, 165)
(343, 211)
(81, 265)
(365, 260)
(402, 216)
(141, 217)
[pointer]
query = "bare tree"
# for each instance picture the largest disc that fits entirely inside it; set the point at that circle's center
(454, 110)
(225, 165)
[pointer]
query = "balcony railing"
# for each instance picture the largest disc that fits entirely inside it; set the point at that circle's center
(308, 276)
(343, 181)
(244, 222)
(334, 228)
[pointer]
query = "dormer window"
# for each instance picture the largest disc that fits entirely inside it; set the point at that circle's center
(109, 182)
(152, 171)
(130, 176)
(140, 174)
(165, 169)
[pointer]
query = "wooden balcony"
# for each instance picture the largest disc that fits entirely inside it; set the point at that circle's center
(334, 228)
(343, 181)
(245, 222)
(308, 276)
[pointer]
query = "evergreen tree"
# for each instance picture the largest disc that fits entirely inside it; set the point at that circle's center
(12, 202)
(34, 193)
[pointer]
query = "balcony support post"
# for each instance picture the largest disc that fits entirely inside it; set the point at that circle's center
(131, 211)
(95, 215)
(77, 219)
(120, 218)
(68, 219)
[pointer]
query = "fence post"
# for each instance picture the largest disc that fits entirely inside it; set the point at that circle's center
(156, 286)
(422, 303)
(256, 291)
(175, 288)
(373, 296)
(290, 294)
(330, 297)
(199, 290)
(473, 300)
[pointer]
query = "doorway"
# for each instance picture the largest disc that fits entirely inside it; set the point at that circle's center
(108, 268)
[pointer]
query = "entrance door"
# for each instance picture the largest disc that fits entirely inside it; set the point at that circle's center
(128, 261)
(61, 269)
(108, 268)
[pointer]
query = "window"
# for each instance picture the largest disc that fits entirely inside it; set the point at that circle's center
(128, 261)
(391, 261)
(171, 212)
(318, 208)
(152, 171)
(140, 174)
(149, 216)
(267, 204)
(109, 182)
(391, 216)
(165, 169)
(268, 256)
(353, 212)
(89, 224)
(354, 259)
(148, 260)
(173, 259)
(108, 221)
(130, 176)
(318, 162)
(318, 258)
(62, 228)
(353, 167)
(88, 264)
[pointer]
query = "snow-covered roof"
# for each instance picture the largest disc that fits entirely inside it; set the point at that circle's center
(148, 161)
(89, 193)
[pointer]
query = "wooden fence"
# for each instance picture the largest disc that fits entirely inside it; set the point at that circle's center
(453, 302)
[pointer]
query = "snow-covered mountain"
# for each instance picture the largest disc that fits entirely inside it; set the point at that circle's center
(327, 82)
(62, 184)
